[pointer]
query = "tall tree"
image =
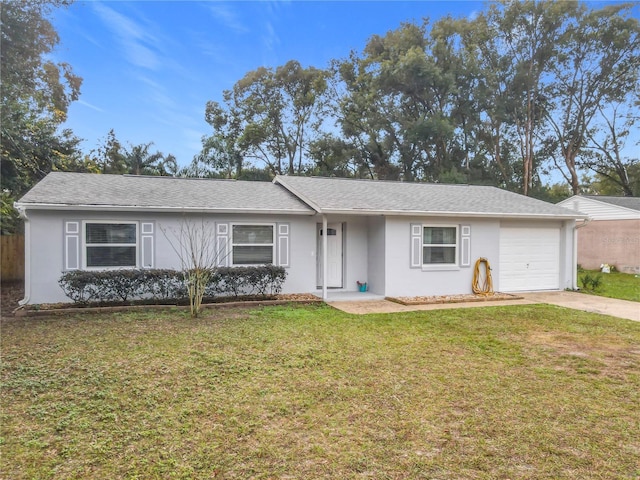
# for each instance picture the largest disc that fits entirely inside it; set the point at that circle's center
(398, 95)
(110, 155)
(35, 94)
(529, 32)
(272, 115)
(607, 144)
(596, 70)
(139, 160)
(487, 97)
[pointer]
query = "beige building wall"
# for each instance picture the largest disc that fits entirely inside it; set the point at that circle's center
(616, 242)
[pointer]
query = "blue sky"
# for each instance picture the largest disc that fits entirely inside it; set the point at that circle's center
(149, 67)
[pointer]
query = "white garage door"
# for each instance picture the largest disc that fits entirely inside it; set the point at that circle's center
(529, 259)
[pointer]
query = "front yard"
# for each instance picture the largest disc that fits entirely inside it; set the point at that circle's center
(310, 392)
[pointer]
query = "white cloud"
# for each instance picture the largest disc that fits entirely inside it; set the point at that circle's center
(227, 17)
(89, 105)
(139, 45)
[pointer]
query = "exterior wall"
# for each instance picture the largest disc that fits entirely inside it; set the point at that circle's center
(616, 242)
(375, 249)
(45, 250)
(376, 261)
(568, 264)
(401, 280)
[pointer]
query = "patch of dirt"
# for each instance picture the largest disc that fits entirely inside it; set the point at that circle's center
(436, 299)
(607, 354)
(579, 345)
(10, 295)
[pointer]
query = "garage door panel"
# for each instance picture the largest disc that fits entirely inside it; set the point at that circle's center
(529, 259)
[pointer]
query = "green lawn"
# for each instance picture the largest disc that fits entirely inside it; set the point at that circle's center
(613, 285)
(519, 392)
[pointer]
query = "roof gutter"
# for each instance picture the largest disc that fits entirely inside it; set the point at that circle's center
(162, 209)
(423, 213)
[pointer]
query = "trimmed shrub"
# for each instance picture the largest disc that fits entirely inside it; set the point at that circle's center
(101, 285)
(163, 284)
(166, 285)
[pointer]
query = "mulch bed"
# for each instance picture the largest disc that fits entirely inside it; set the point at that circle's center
(13, 293)
(437, 299)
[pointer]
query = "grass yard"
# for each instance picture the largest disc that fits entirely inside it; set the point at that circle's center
(614, 285)
(309, 392)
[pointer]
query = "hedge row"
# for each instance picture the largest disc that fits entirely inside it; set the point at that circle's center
(162, 285)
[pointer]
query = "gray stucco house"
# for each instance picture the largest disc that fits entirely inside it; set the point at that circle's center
(403, 239)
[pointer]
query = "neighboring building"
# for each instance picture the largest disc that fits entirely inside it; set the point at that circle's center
(612, 233)
(401, 238)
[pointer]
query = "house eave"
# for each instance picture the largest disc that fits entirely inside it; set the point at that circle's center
(426, 213)
(157, 209)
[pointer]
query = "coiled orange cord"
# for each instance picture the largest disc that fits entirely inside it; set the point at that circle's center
(482, 284)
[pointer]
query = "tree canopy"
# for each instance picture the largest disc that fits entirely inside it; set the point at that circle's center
(522, 90)
(36, 93)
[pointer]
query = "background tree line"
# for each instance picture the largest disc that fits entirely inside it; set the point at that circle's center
(522, 90)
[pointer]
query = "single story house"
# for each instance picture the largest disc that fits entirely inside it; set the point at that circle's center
(612, 233)
(402, 239)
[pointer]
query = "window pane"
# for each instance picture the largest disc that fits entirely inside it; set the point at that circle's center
(252, 234)
(111, 233)
(439, 255)
(111, 256)
(252, 255)
(440, 235)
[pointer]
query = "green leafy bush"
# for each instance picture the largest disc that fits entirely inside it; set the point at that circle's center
(591, 282)
(161, 285)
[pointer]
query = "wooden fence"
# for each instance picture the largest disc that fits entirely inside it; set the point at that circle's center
(12, 258)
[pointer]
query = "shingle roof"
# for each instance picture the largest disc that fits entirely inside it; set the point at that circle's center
(160, 193)
(627, 202)
(336, 195)
(285, 195)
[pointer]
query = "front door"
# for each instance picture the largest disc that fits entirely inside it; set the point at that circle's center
(334, 255)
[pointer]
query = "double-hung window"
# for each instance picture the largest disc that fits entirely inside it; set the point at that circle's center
(110, 244)
(439, 245)
(252, 244)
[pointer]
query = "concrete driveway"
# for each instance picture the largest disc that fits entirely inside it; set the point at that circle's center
(588, 303)
(577, 301)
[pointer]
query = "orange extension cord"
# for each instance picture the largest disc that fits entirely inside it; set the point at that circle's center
(482, 284)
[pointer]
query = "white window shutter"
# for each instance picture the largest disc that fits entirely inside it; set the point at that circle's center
(465, 245)
(283, 244)
(222, 245)
(147, 244)
(416, 245)
(71, 245)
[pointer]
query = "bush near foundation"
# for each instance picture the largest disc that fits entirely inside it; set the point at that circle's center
(162, 285)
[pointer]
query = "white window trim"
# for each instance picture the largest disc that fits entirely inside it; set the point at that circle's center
(84, 244)
(255, 224)
(441, 266)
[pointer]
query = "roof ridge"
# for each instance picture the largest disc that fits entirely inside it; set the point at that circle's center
(373, 180)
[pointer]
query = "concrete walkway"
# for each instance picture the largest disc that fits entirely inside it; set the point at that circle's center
(578, 301)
